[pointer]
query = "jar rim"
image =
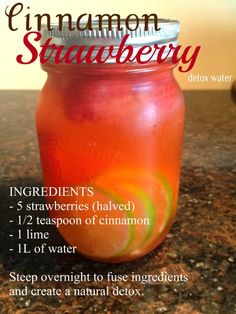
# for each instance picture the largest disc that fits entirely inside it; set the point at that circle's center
(108, 70)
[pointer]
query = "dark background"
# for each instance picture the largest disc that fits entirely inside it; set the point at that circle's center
(202, 242)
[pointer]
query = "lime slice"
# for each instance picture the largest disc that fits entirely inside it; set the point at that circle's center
(97, 240)
(152, 196)
(153, 199)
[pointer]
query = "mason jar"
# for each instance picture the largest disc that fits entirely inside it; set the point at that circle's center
(116, 129)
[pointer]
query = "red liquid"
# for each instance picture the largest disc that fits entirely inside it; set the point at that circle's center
(118, 129)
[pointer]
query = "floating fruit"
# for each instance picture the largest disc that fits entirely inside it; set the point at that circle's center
(129, 233)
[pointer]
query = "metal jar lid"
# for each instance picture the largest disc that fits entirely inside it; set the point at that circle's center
(167, 33)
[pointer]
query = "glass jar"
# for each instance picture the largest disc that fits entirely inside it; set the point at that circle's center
(116, 129)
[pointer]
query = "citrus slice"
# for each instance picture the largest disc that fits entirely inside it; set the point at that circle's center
(152, 196)
(144, 212)
(97, 239)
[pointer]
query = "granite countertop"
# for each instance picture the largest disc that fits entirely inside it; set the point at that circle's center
(202, 242)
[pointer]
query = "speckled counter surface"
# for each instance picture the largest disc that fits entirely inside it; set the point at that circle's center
(202, 242)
